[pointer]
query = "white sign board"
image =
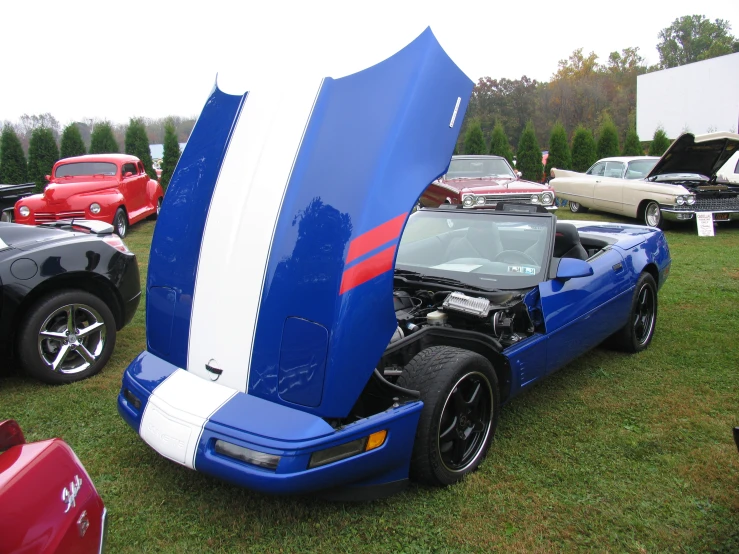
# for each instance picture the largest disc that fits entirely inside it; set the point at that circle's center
(705, 224)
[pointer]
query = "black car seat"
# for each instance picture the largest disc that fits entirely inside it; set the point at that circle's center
(567, 242)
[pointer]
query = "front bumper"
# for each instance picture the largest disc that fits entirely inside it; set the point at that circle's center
(670, 213)
(167, 419)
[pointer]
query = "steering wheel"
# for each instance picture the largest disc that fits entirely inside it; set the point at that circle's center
(522, 256)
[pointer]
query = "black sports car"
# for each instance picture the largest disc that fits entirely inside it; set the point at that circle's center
(66, 288)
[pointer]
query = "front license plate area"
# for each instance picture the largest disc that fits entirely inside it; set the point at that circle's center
(721, 217)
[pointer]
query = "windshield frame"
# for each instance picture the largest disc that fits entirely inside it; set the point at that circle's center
(482, 280)
(60, 166)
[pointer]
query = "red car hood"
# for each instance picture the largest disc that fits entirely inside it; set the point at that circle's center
(495, 186)
(57, 193)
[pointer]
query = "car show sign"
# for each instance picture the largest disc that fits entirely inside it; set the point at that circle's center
(705, 224)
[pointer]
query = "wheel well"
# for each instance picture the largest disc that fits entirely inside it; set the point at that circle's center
(642, 207)
(653, 271)
(94, 284)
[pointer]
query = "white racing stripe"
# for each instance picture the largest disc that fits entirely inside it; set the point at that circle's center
(176, 413)
(238, 232)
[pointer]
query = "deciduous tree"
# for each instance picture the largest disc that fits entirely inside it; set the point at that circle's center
(102, 140)
(137, 144)
(13, 170)
(474, 142)
(529, 155)
(692, 38)
(583, 149)
(171, 153)
(72, 144)
(659, 143)
(42, 154)
(499, 145)
(559, 151)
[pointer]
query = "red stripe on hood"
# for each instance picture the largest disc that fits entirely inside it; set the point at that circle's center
(374, 238)
(367, 269)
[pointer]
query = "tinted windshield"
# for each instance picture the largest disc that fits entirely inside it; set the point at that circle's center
(492, 251)
(638, 169)
(478, 168)
(86, 168)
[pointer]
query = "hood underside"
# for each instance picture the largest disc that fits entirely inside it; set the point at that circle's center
(701, 154)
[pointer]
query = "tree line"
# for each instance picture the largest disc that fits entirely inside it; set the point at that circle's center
(43, 151)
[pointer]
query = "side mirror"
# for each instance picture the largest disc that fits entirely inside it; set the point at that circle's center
(572, 268)
(47, 177)
(127, 174)
(519, 174)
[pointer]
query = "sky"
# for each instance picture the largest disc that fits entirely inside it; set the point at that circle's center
(114, 60)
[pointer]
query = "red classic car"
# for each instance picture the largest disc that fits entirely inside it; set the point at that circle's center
(47, 501)
(483, 181)
(113, 188)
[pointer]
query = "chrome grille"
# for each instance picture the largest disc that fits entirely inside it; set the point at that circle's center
(712, 205)
(493, 199)
(46, 217)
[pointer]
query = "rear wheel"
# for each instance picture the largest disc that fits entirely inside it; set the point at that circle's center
(637, 334)
(576, 208)
(120, 222)
(459, 390)
(155, 215)
(66, 336)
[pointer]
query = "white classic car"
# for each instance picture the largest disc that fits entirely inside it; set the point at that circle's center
(671, 188)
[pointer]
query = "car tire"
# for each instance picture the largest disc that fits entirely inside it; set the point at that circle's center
(43, 338)
(155, 215)
(637, 334)
(652, 215)
(577, 208)
(459, 390)
(120, 222)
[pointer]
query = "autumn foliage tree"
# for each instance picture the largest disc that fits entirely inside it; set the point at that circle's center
(72, 144)
(137, 144)
(171, 153)
(559, 151)
(13, 170)
(499, 145)
(583, 149)
(529, 155)
(474, 142)
(102, 140)
(693, 38)
(42, 155)
(632, 144)
(660, 143)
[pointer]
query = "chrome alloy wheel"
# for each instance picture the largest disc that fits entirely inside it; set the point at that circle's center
(72, 338)
(644, 314)
(465, 422)
(653, 215)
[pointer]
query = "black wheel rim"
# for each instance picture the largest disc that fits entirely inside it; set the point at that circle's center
(465, 422)
(644, 315)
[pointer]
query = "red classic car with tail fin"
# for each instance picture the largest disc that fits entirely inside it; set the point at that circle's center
(482, 182)
(113, 188)
(48, 503)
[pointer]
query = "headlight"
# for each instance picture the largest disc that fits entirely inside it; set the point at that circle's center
(690, 200)
(547, 198)
(534, 198)
(24, 211)
(468, 201)
(480, 200)
(680, 200)
(95, 208)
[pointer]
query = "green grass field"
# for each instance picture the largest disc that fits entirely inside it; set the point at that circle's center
(613, 453)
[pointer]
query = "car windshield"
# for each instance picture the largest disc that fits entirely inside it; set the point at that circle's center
(478, 168)
(86, 168)
(492, 251)
(638, 169)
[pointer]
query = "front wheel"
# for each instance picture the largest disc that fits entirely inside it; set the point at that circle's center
(120, 222)
(653, 215)
(459, 390)
(66, 336)
(577, 208)
(637, 334)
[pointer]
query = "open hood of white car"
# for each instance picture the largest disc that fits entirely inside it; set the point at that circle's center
(701, 154)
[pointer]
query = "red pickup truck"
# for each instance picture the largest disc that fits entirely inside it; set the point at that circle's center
(113, 188)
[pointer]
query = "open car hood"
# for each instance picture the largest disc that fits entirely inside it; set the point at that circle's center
(701, 154)
(272, 259)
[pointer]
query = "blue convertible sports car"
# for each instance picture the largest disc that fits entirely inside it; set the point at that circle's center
(295, 342)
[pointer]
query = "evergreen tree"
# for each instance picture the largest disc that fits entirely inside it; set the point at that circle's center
(137, 144)
(632, 144)
(583, 149)
(474, 142)
(72, 144)
(660, 143)
(559, 151)
(529, 155)
(607, 139)
(102, 140)
(42, 154)
(171, 153)
(13, 170)
(499, 145)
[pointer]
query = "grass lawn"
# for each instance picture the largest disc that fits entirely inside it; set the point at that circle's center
(614, 453)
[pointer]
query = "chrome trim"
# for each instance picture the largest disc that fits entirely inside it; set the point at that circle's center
(69, 495)
(456, 109)
(103, 531)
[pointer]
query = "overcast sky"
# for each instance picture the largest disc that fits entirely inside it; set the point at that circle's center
(113, 60)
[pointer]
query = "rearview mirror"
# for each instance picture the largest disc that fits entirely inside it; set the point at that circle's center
(519, 174)
(571, 268)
